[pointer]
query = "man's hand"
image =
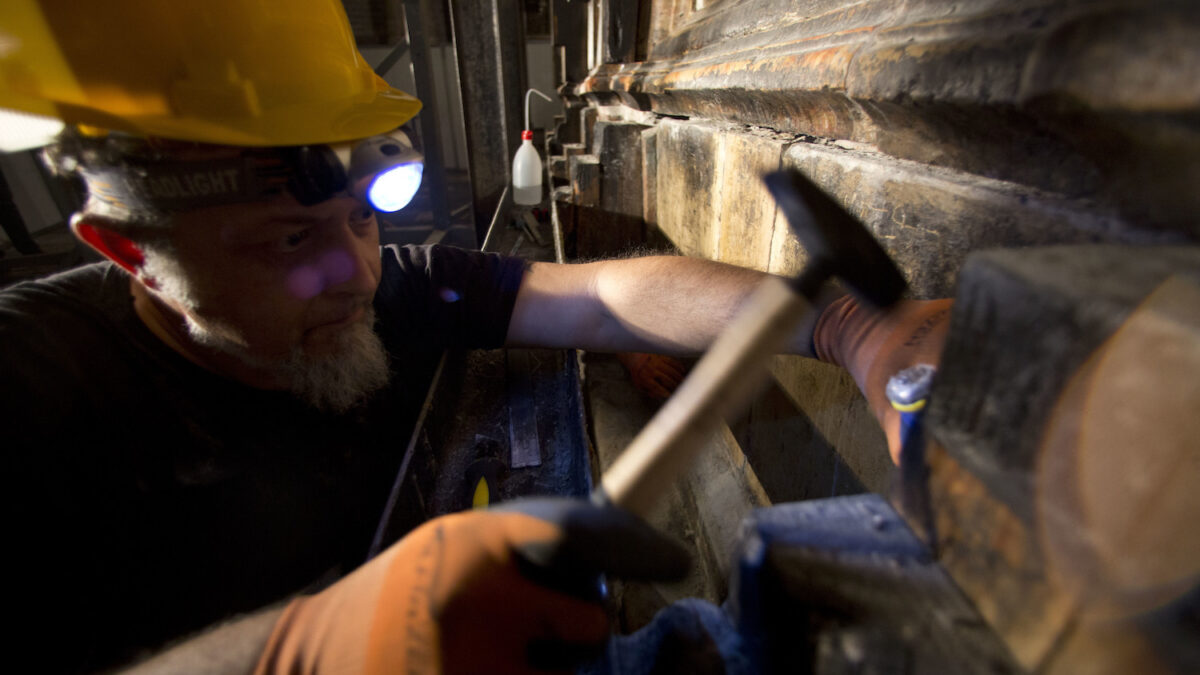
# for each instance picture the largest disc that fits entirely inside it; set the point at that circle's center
(655, 375)
(875, 345)
(474, 592)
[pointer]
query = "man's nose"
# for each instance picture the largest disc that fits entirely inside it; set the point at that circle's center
(348, 264)
(351, 266)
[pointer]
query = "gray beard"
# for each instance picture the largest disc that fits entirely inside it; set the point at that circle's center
(357, 368)
(335, 382)
(343, 380)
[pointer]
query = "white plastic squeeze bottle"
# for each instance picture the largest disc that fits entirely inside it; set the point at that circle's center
(527, 172)
(527, 164)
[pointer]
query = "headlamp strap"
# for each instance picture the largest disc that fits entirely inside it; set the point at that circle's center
(311, 173)
(316, 173)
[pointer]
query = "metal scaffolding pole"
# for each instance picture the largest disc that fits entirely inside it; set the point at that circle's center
(489, 40)
(416, 17)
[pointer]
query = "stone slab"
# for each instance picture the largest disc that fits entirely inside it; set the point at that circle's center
(748, 214)
(1046, 533)
(1023, 323)
(689, 157)
(1092, 100)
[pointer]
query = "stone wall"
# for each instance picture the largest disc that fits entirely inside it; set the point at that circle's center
(946, 127)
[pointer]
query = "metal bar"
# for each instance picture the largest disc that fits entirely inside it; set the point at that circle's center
(497, 218)
(560, 255)
(435, 236)
(530, 226)
(385, 521)
(489, 40)
(416, 15)
(522, 410)
(390, 60)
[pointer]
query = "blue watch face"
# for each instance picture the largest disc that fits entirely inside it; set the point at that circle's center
(393, 189)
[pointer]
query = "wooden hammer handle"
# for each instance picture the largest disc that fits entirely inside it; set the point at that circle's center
(722, 384)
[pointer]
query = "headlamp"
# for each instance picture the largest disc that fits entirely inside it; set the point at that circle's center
(393, 189)
(383, 171)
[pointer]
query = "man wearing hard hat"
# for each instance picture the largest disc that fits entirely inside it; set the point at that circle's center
(202, 426)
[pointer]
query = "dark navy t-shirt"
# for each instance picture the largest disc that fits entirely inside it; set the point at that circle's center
(152, 497)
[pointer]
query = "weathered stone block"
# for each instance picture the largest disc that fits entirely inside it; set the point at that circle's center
(1092, 100)
(649, 144)
(996, 561)
(805, 452)
(585, 180)
(618, 145)
(688, 198)
(617, 226)
(618, 34)
(587, 124)
(1027, 515)
(1023, 322)
(562, 200)
(747, 216)
(569, 130)
(955, 60)
(838, 434)
(1140, 58)
(710, 203)
(558, 168)
(572, 149)
(812, 434)
(930, 219)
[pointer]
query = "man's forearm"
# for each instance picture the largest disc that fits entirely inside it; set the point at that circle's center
(233, 647)
(664, 304)
(675, 305)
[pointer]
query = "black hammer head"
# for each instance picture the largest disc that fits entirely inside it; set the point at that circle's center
(837, 243)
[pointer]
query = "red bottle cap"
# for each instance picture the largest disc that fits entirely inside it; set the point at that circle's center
(527, 135)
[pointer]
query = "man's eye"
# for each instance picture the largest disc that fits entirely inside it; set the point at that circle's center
(363, 215)
(294, 240)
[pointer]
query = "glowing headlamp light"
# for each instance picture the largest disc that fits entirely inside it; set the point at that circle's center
(385, 171)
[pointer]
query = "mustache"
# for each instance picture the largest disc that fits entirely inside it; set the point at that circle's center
(340, 310)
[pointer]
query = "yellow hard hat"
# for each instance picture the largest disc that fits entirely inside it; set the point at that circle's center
(235, 72)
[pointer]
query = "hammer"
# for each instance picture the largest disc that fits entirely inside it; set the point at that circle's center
(735, 367)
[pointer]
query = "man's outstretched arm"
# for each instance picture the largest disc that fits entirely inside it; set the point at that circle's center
(677, 305)
(661, 304)
(232, 647)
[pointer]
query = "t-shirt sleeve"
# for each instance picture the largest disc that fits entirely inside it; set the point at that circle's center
(442, 295)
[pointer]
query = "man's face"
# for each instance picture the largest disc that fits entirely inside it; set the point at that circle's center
(285, 290)
(275, 278)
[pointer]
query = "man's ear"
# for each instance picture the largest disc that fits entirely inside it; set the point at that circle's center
(100, 235)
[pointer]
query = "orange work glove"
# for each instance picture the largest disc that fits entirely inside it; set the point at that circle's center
(470, 593)
(874, 345)
(654, 375)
